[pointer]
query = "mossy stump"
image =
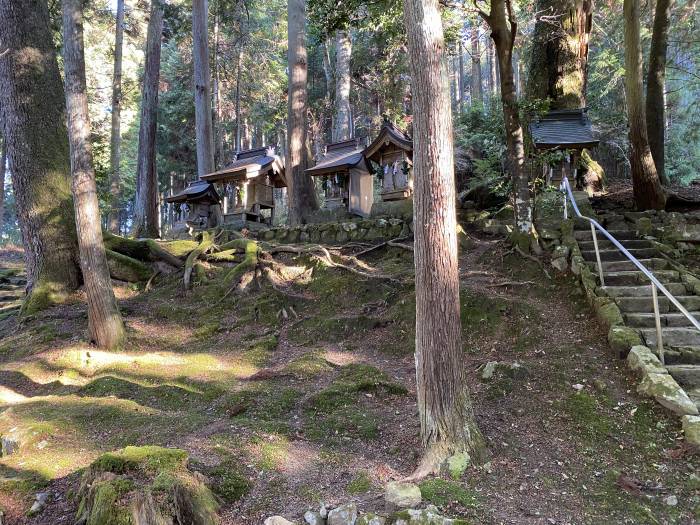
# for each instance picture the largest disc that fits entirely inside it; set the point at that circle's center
(144, 486)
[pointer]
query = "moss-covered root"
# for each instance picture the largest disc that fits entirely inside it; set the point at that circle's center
(144, 486)
(205, 243)
(127, 268)
(594, 172)
(140, 249)
(250, 259)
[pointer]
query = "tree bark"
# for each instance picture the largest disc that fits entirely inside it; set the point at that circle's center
(559, 58)
(202, 88)
(115, 141)
(447, 420)
(33, 115)
(3, 170)
(104, 320)
(218, 125)
(648, 193)
(460, 93)
(504, 29)
(238, 100)
(146, 203)
(343, 114)
(477, 95)
(656, 84)
(302, 194)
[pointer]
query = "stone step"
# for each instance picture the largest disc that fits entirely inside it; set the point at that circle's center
(617, 255)
(631, 278)
(645, 305)
(641, 320)
(627, 265)
(686, 375)
(681, 356)
(642, 290)
(585, 234)
(11, 295)
(676, 337)
(605, 244)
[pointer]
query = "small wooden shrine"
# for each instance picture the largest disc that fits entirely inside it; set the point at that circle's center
(347, 182)
(196, 206)
(247, 186)
(392, 153)
(567, 130)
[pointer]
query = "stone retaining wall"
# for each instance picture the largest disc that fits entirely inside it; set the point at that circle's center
(339, 232)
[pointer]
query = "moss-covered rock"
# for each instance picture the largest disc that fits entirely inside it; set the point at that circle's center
(622, 338)
(607, 312)
(668, 393)
(691, 429)
(144, 486)
(127, 268)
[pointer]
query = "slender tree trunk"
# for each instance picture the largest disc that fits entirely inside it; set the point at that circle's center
(115, 141)
(343, 113)
(32, 107)
(516, 71)
(146, 203)
(656, 84)
(504, 29)
(648, 193)
(104, 320)
(447, 420)
(219, 127)
(493, 66)
(477, 95)
(559, 59)
(202, 88)
(302, 194)
(460, 98)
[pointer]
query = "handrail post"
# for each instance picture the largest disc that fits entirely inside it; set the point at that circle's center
(657, 320)
(597, 256)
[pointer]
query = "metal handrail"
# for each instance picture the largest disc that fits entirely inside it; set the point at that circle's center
(655, 283)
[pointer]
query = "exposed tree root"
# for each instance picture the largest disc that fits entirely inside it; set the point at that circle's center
(205, 243)
(534, 259)
(393, 242)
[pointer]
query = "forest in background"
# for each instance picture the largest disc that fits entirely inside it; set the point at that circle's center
(248, 47)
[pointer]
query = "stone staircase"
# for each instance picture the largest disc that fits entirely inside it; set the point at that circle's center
(12, 284)
(631, 291)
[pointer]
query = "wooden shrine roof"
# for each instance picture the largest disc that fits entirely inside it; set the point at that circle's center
(338, 157)
(389, 134)
(250, 164)
(199, 191)
(565, 129)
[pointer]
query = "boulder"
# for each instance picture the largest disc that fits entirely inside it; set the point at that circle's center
(426, 516)
(314, 518)
(643, 361)
(343, 515)
(40, 501)
(691, 429)
(370, 518)
(514, 370)
(401, 495)
(622, 339)
(608, 312)
(668, 393)
(560, 264)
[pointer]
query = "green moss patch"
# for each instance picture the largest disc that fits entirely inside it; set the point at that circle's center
(360, 484)
(442, 492)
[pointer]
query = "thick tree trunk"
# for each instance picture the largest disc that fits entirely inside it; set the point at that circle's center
(3, 170)
(656, 84)
(342, 130)
(302, 194)
(477, 95)
(238, 99)
(104, 320)
(33, 115)
(202, 88)
(648, 193)
(447, 420)
(115, 141)
(503, 32)
(559, 59)
(218, 125)
(146, 204)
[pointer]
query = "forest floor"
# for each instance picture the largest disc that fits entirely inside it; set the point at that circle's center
(332, 416)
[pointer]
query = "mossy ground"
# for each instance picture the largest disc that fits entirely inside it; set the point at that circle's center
(279, 413)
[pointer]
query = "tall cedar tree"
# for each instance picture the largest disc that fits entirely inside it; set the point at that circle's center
(477, 97)
(648, 192)
(504, 29)
(559, 57)
(104, 320)
(3, 171)
(302, 193)
(446, 416)
(32, 107)
(656, 84)
(115, 137)
(202, 88)
(342, 128)
(146, 201)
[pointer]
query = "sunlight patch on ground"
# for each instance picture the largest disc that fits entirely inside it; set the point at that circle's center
(340, 358)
